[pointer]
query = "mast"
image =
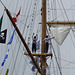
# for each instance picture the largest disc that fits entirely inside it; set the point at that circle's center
(43, 58)
(42, 55)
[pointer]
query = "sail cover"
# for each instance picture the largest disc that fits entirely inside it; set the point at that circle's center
(60, 32)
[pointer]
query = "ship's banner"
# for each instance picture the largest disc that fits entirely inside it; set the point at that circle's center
(60, 32)
(3, 36)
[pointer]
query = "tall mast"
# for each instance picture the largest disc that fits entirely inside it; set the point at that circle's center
(43, 55)
(43, 58)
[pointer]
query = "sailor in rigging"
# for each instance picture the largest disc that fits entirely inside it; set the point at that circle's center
(47, 43)
(34, 38)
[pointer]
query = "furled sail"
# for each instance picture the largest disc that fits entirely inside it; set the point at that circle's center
(60, 32)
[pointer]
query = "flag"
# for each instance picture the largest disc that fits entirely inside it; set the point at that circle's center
(11, 39)
(3, 36)
(6, 56)
(18, 13)
(33, 67)
(38, 45)
(1, 22)
(31, 62)
(15, 18)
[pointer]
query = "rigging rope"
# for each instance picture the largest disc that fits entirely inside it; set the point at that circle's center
(20, 58)
(16, 57)
(55, 57)
(24, 28)
(63, 13)
(27, 18)
(61, 10)
(65, 64)
(19, 45)
(15, 49)
(32, 22)
(48, 9)
(72, 40)
(57, 62)
(64, 10)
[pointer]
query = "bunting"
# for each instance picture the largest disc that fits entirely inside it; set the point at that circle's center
(11, 39)
(6, 56)
(1, 22)
(3, 36)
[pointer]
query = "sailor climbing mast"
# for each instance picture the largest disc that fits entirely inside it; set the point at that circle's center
(43, 58)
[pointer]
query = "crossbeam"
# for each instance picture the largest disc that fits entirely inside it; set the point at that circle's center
(61, 22)
(45, 54)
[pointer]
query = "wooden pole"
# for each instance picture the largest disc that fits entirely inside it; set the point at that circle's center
(43, 58)
(61, 22)
(22, 39)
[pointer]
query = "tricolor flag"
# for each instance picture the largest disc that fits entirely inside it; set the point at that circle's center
(11, 39)
(6, 56)
(3, 36)
(1, 22)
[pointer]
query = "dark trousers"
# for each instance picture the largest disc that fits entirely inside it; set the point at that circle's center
(34, 47)
(46, 47)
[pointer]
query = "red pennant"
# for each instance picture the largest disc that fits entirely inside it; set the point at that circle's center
(15, 18)
(18, 13)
